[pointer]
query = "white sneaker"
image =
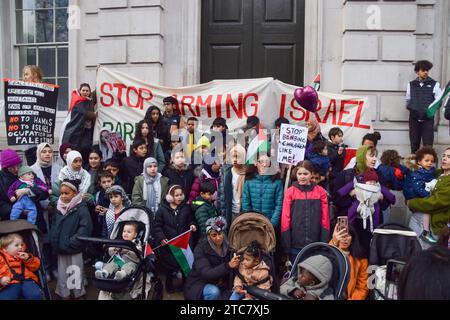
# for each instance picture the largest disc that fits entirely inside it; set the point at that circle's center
(120, 275)
(101, 274)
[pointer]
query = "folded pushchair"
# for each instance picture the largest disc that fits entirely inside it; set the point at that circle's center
(32, 239)
(339, 279)
(390, 241)
(139, 284)
(249, 227)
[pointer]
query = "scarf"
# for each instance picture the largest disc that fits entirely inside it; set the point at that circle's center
(224, 250)
(241, 181)
(313, 129)
(64, 208)
(151, 189)
(42, 163)
(68, 173)
(110, 217)
(367, 195)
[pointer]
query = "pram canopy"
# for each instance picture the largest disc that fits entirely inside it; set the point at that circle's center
(249, 227)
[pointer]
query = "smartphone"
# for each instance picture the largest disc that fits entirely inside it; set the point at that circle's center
(342, 224)
(393, 271)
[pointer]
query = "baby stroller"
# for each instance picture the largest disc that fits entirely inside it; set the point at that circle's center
(140, 283)
(31, 236)
(249, 227)
(390, 241)
(339, 279)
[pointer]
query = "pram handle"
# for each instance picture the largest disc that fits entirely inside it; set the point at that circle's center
(124, 244)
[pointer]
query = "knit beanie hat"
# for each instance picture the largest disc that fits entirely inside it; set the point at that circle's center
(361, 159)
(320, 266)
(9, 158)
(370, 175)
(24, 170)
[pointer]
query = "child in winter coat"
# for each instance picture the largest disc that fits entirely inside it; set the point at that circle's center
(319, 158)
(150, 188)
(179, 173)
(25, 204)
(252, 271)
(305, 217)
(312, 280)
(210, 173)
(17, 270)
(173, 218)
(203, 206)
(391, 171)
(71, 220)
(420, 183)
(123, 262)
(118, 201)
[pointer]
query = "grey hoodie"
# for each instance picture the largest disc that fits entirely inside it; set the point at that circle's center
(321, 267)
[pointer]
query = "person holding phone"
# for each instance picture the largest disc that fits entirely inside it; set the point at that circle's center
(348, 242)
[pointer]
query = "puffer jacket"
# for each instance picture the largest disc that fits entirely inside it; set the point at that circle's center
(204, 210)
(260, 272)
(414, 186)
(321, 163)
(305, 218)
(66, 228)
(30, 266)
(265, 196)
(394, 177)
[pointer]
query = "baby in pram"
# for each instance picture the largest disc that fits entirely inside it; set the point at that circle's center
(312, 281)
(123, 262)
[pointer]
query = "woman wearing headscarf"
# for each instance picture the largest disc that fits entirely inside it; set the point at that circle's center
(151, 187)
(211, 272)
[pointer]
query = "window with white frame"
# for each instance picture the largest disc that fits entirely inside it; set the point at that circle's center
(42, 38)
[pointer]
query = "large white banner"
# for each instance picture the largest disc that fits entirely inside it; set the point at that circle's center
(123, 101)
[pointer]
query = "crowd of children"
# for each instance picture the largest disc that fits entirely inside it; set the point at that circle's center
(85, 197)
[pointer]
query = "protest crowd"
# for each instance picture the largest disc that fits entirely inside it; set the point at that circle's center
(174, 211)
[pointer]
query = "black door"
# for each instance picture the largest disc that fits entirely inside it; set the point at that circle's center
(252, 39)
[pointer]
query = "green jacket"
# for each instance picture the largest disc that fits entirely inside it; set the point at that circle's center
(204, 210)
(437, 204)
(137, 197)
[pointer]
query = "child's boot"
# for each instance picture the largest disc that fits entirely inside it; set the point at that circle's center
(101, 274)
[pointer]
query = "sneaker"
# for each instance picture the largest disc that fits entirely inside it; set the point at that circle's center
(428, 237)
(101, 274)
(121, 274)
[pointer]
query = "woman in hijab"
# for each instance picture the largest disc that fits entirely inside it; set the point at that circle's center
(74, 171)
(151, 187)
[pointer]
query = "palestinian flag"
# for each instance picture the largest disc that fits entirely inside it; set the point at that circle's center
(437, 104)
(316, 84)
(258, 145)
(148, 251)
(118, 260)
(182, 252)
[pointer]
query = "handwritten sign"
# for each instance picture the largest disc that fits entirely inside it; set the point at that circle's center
(30, 112)
(291, 149)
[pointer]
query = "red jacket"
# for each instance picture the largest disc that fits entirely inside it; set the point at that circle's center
(305, 217)
(31, 265)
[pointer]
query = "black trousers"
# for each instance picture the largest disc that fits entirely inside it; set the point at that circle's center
(420, 131)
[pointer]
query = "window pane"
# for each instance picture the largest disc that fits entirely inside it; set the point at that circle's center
(26, 56)
(63, 62)
(63, 94)
(47, 61)
(25, 26)
(62, 3)
(42, 4)
(44, 26)
(24, 4)
(62, 34)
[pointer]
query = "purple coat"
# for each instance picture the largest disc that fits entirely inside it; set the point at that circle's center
(352, 211)
(17, 185)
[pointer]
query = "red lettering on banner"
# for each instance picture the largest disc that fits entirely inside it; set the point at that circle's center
(342, 112)
(177, 106)
(305, 116)
(206, 103)
(282, 105)
(319, 107)
(188, 101)
(129, 103)
(143, 98)
(230, 103)
(253, 104)
(331, 110)
(358, 117)
(219, 106)
(120, 87)
(108, 86)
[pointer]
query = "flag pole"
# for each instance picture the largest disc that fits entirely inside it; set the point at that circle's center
(179, 236)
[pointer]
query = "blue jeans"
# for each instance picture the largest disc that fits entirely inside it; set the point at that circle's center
(28, 290)
(211, 292)
(237, 296)
(25, 204)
